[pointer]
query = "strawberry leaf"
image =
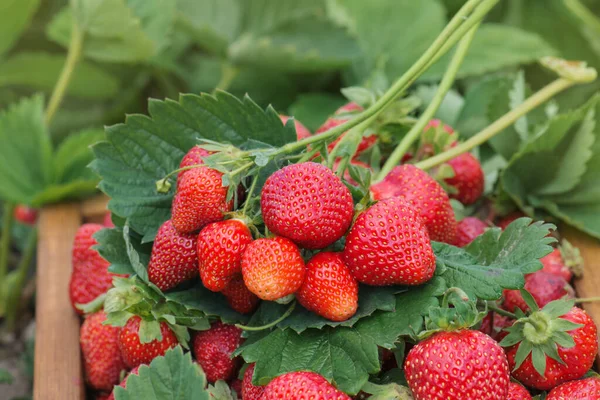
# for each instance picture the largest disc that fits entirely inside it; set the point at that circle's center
(173, 376)
(15, 17)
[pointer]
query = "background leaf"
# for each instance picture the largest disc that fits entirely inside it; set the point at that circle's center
(312, 109)
(15, 16)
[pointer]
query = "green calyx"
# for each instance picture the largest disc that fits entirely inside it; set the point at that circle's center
(572, 258)
(540, 333)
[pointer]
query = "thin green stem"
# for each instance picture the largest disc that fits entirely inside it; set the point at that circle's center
(73, 57)
(228, 74)
(587, 299)
(453, 290)
(500, 124)
(250, 192)
(5, 242)
(445, 85)
(14, 294)
(492, 306)
(584, 14)
(271, 324)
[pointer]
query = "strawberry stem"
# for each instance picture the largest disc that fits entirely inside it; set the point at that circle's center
(250, 192)
(586, 299)
(492, 306)
(444, 87)
(270, 324)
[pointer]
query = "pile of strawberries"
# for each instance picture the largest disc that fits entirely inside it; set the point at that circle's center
(317, 249)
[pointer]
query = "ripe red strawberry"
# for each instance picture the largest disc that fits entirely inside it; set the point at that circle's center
(250, 391)
(272, 268)
(419, 189)
(236, 386)
(506, 220)
(585, 389)
(174, 258)
(499, 323)
(25, 215)
(200, 199)
(90, 277)
(213, 349)
(544, 288)
(220, 248)
(329, 289)
(487, 324)
(468, 178)
(517, 392)
(339, 119)
(102, 359)
(134, 352)
(302, 385)
(539, 334)
(193, 157)
(107, 221)
(348, 108)
(436, 123)
(239, 297)
(308, 204)
(123, 383)
(457, 365)
(104, 396)
(302, 132)
(388, 245)
(565, 261)
(467, 230)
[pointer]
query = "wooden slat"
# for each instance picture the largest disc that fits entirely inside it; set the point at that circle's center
(589, 284)
(94, 208)
(57, 357)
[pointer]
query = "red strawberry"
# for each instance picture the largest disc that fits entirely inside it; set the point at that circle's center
(457, 365)
(585, 389)
(250, 391)
(134, 352)
(200, 199)
(302, 132)
(499, 322)
(517, 392)
(123, 383)
(174, 258)
(577, 359)
(213, 349)
(107, 221)
(544, 288)
(506, 220)
(25, 215)
(90, 277)
(486, 324)
(565, 261)
(419, 189)
(329, 289)
(272, 268)
(220, 248)
(302, 385)
(467, 230)
(348, 108)
(100, 350)
(239, 297)
(468, 178)
(104, 396)
(308, 204)
(436, 123)
(193, 157)
(339, 119)
(236, 386)
(388, 245)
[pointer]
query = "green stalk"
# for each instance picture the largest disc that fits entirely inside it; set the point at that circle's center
(445, 85)
(500, 124)
(286, 314)
(492, 306)
(584, 14)
(73, 57)
(14, 293)
(5, 243)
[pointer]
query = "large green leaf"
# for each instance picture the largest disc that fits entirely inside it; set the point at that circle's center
(174, 376)
(74, 154)
(144, 150)
(26, 151)
(15, 16)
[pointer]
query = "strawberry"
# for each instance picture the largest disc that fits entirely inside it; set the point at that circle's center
(193, 157)
(200, 199)
(517, 392)
(339, 119)
(90, 277)
(174, 258)
(544, 288)
(544, 332)
(250, 391)
(506, 220)
(308, 204)
(468, 178)
(213, 349)
(329, 289)
(486, 324)
(463, 364)
(123, 383)
(134, 352)
(239, 297)
(236, 386)
(467, 230)
(348, 108)
(302, 385)
(585, 389)
(388, 245)
(420, 190)
(102, 359)
(25, 215)
(565, 261)
(107, 220)
(272, 268)
(220, 248)
(302, 132)
(499, 323)
(436, 123)
(104, 396)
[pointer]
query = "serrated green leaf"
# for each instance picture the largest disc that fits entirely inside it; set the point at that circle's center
(15, 16)
(149, 331)
(139, 261)
(144, 150)
(173, 376)
(312, 109)
(112, 248)
(73, 155)
(40, 71)
(26, 151)
(221, 391)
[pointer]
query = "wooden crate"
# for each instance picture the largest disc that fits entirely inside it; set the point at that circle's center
(58, 370)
